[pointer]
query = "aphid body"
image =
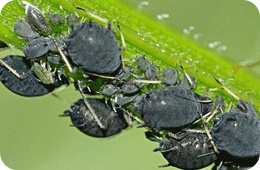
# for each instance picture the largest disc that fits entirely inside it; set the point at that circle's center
(171, 108)
(82, 119)
(193, 151)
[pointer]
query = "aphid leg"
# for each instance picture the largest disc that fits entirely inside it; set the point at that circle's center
(99, 75)
(92, 15)
(23, 76)
(134, 117)
(121, 36)
(115, 78)
(229, 106)
(61, 99)
(206, 154)
(89, 106)
(164, 166)
(208, 133)
(187, 76)
(227, 90)
(216, 111)
(128, 119)
(177, 136)
(62, 55)
(194, 131)
(142, 126)
(147, 81)
(219, 166)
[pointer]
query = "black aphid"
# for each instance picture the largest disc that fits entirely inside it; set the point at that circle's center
(191, 151)
(171, 108)
(142, 63)
(56, 19)
(72, 19)
(170, 76)
(94, 48)
(151, 73)
(81, 118)
(36, 19)
(40, 46)
(24, 29)
(29, 84)
(238, 132)
(109, 89)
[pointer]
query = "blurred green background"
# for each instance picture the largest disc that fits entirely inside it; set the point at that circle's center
(34, 137)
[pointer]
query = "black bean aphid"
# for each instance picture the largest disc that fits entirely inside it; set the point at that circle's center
(24, 29)
(36, 19)
(38, 47)
(171, 108)
(151, 73)
(27, 86)
(170, 76)
(191, 151)
(238, 132)
(81, 118)
(56, 19)
(94, 48)
(142, 63)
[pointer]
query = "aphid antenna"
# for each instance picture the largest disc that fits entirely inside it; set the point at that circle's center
(199, 101)
(204, 116)
(62, 55)
(89, 106)
(92, 15)
(226, 89)
(13, 71)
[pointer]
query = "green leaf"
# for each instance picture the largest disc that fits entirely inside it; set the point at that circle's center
(145, 36)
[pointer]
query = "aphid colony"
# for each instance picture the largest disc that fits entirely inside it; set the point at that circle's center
(171, 111)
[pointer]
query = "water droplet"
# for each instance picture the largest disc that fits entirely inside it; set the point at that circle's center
(158, 45)
(142, 4)
(191, 28)
(198, 35)
(163, 16)
(163, 50)
(186, 31)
